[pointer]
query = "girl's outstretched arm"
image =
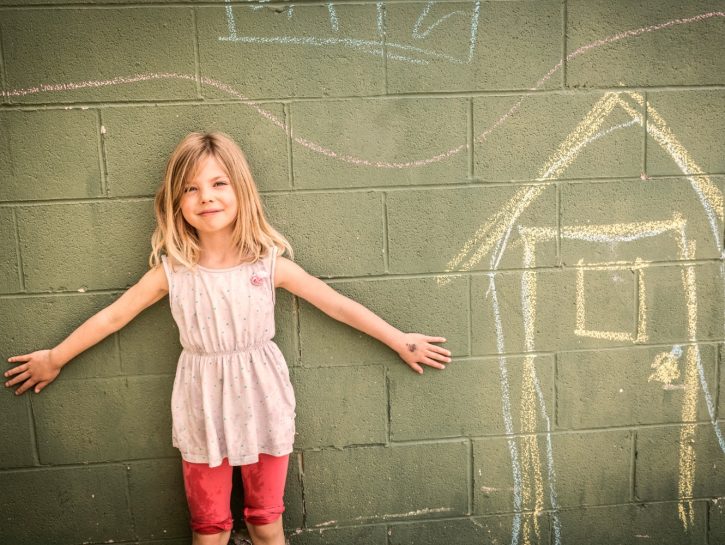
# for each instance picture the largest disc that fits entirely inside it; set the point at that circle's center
(41, 367)
(413, 348)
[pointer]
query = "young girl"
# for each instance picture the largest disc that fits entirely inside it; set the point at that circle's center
(215, 255)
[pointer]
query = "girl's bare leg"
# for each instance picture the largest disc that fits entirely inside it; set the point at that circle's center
(267, 534)
(211, 539)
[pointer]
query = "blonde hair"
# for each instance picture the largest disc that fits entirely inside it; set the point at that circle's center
(253, 236)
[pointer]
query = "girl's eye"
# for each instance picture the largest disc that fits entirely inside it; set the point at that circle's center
(223, 183)
(186, 190)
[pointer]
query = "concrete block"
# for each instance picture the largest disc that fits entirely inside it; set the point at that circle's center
(676, 292)
(387, 483)
(54, 46)
(158, 500)
(35, 323)
(635, 523)
(402, 141)
(359, 535)
(590, 468)
(471, 46)
(552, 292)
(340, 406)
(295, 51)
(468, 530)
(150, 134)
(332, 234)
(466, 399)
(683, 113)
(58, 496)
(436, 230)
(629, 386)
(556, 136)
(85, 246)
(683, 54)
(49, 154)
(623, 221)
(105, 419)
(662, 467)
(411, 305)
(150, 343)
(9, 266)
(18, 446)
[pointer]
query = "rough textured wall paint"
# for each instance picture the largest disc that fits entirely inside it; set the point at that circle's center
(541, 182)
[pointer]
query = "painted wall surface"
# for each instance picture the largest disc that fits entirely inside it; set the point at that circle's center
(541, 182)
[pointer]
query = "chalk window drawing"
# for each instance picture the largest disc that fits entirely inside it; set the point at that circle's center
(377, 46)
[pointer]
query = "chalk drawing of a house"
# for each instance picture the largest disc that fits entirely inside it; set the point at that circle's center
(493, 239)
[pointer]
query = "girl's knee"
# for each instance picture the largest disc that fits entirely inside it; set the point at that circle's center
(265, 531)
(262, 517)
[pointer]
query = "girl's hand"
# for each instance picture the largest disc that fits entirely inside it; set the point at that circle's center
(417, 348)
(38, 369)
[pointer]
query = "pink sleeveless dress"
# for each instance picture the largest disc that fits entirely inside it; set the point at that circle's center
(232, 396)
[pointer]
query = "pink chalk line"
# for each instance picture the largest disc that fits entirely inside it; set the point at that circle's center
(351, 158)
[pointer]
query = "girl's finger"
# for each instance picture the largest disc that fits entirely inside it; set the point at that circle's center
(17, 379)
(16, 370)
(27, 384)
(439, 349)
(40, 386)
(438, 356)
(435, 339)
(432, 363)
(22, 357)
(417, 368)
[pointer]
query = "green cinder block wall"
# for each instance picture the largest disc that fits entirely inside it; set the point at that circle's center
(541, 182)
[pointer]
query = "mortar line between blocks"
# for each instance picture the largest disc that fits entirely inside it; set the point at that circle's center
(558, 223)
(3, 76)
(564, 44)
(297, 336)
(197, 61)
(633, 468)
(34, 432)
(470, 477)
(636, 295)
(301, 472)
(645, 121)
(119, 358)
(102, 159)
(470, 312)
(555, 390)
(127, 479)
(718, 376)
(18, 251)
(470, 139)
(287, 109)
(381, 13)
(388, 401)
(386, 244)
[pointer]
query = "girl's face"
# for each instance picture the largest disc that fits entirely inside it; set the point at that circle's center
(209, 203)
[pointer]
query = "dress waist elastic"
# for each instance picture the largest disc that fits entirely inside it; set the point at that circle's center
(239, 350)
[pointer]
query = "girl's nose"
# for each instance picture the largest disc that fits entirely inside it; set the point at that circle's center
(206, 195)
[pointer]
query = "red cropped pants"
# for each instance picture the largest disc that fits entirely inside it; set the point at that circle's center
(208, 493)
